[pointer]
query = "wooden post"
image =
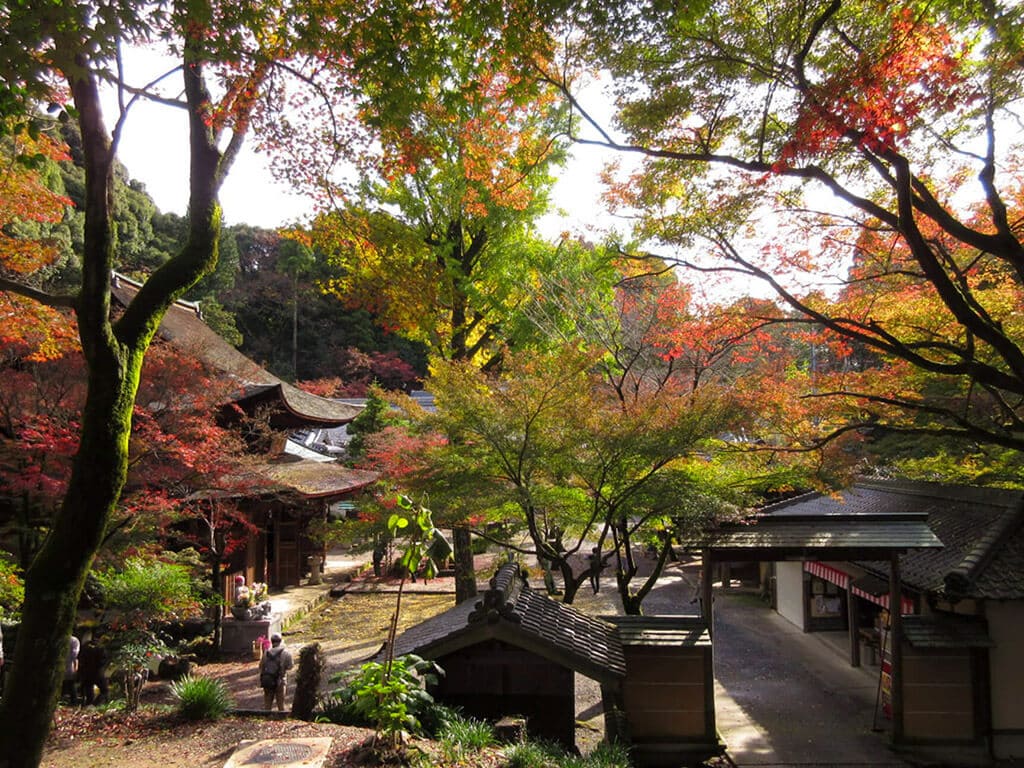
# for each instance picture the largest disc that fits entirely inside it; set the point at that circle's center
(616, 718)
(465, 575)
(852, 622)
(705, 591)
(896, 647)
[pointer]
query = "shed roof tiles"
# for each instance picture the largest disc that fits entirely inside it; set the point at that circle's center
(809, 532)
(945, 631)
(513, 613)
(655, 631)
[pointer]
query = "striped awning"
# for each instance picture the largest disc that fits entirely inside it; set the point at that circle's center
(843, 580)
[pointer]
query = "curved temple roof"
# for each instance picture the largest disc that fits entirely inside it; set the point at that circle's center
(183, 327)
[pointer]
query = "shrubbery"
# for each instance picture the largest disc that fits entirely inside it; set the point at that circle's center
(12, 590)
(394, 705)
(202, 698)
(459, 735)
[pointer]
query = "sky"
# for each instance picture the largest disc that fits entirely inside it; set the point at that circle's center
(154, 148)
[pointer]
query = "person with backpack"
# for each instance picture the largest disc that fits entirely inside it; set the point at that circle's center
(274, 668)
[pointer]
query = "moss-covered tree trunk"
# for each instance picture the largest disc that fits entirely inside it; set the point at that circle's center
(114, 353)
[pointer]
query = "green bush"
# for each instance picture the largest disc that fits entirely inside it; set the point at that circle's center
(12, 589)
(479, 546)
(202, 698)
(392, 706)
(150, 587)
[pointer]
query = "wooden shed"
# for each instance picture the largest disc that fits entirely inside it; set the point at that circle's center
(945, 679)
(515, 652)
(962, 606)
(668, 694)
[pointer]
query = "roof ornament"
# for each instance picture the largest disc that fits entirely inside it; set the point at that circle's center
(499, 600)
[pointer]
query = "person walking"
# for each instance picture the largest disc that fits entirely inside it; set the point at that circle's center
(273, 670)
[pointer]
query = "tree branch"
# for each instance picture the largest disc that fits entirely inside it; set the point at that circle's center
(49, 299)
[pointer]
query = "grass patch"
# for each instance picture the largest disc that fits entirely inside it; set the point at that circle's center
(459, 735)
(535, 754)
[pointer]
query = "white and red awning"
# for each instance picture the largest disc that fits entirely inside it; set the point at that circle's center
(843, 580)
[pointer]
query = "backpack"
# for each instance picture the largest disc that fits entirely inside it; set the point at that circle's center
(271, 672)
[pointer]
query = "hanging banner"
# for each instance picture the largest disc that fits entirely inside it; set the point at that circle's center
(885, 668)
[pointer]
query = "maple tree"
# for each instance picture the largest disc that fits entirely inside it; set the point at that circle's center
(595, 441)
(808, 145)
(177, 454)
(438, 236)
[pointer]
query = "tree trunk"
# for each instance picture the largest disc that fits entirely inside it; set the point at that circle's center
(55, 580)
(632, 602)
(216, 584)
(295, 326)
(570, 582)
(114, 355)
(465, 575)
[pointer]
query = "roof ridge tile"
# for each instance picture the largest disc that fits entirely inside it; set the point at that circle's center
(960, 578)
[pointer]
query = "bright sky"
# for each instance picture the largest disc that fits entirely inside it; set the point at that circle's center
(154, 148)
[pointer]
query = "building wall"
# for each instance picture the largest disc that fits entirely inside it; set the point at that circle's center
(938, 695)
(789, 585)
(667, 693)
(491, 680)
(1006, 664)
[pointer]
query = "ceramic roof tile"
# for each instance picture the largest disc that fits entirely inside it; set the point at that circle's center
(660, 631)
(183, 327)
(944, 631)
(810, 532)
(982, 553)
(510, 611)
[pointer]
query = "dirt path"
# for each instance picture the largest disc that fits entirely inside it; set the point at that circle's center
(349, 630)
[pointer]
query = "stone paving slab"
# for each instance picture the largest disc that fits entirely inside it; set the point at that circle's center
(283, 753)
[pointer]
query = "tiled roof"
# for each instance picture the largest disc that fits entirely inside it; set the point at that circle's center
(809, 532)
(945, 631)
(288, 474)
(982, 553)
(980, 529)
(183, 327)
(513, 613)
(1003, 579)
(673, 631)
(314, 479)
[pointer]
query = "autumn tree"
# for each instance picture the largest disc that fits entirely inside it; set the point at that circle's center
(76, 46)
(838, 144)
(439, 234)
(502, 458)
(334, 341)
(551, 450)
